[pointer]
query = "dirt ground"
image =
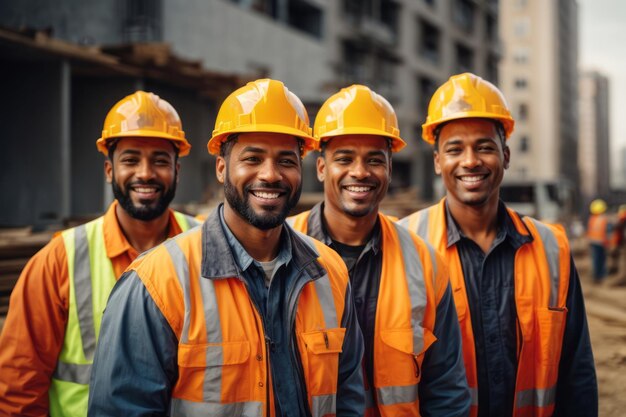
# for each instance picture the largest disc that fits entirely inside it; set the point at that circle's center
(606, 312)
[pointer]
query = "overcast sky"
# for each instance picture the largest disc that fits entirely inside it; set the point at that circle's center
(602, 39)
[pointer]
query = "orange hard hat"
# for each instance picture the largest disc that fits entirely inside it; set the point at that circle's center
(145, 115)
(262, 106)
(358, 110)
(466, 96)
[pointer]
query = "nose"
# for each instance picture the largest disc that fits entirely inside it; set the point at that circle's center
(144, 170)
(471, 159)
(359, 170)
(270, 172)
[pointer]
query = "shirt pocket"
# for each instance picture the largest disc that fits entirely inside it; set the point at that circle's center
(550, 330)
(215, 372)
(402, 362)
(320, 360)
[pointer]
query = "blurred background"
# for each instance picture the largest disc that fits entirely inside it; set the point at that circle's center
(560, 63)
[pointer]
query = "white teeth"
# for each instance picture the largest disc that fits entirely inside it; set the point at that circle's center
(268, 196)
(355, 189)
(145, 190)
(474, 178)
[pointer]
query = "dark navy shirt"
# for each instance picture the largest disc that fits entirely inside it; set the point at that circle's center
(489, 280)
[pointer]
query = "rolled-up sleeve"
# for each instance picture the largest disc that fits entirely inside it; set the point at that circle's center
(443, 389)
(350, 389)
(577, 387)
(135, 365)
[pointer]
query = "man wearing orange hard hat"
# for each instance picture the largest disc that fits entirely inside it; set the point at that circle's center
(51, 331)
(413, 364)
(526, 342)
(244, 316)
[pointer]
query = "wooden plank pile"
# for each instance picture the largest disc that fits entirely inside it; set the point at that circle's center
(17, 246)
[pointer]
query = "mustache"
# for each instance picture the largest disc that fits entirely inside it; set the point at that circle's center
(278, 186)
(139, 183)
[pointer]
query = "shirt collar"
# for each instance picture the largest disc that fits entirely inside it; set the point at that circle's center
(243, 258)
(317, 229)
(504, 225)
(115, 241)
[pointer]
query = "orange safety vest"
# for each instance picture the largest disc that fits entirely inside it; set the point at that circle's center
(413, 280)
(597, 229)
(222, 353)
(542, 270)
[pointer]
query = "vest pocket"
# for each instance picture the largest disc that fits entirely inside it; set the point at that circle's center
(551, 326)
(319, 351)
(210, 369)
(402, 359)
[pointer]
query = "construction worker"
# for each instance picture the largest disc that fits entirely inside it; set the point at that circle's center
(525, 338)
(51, 331)
(618, 245)
(598, 237)
(244, 316)
(413, 363)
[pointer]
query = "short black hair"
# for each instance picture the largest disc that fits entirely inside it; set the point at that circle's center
(231, 140)
(497, 123)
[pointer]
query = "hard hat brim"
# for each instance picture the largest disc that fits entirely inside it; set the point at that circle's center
(428, 128)
(396, 141)
(182, 145)
(215, 143)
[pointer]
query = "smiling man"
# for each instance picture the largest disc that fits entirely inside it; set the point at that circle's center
(243, 317)
(49, 337)
(525, 338)
(413, 363)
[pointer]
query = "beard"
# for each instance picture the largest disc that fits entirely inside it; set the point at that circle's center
(266, 220)
(146, 210)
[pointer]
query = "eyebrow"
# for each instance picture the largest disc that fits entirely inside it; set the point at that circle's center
(452, 142)
(377, 152)
(254, 149)
(138, 153)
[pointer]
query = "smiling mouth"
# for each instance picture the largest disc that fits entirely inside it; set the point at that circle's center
(359, 188)
(266, 195)
(145, 190)
(473, 179)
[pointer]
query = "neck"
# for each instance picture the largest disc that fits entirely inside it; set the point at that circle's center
(143, 235)
(262, 245)
(479, 223)
(346, 229)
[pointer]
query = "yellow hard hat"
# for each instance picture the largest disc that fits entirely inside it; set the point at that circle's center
(143, 115)
(262, 106)
(358, 110)
(597, 206)
(466, 96)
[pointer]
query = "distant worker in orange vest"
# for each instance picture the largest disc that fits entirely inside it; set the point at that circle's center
(50, 334)
(598, 237)
(618, 245)
(413, 363)
(242, 317)
(517, 293)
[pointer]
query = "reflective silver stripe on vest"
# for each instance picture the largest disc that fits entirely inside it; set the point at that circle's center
(536, 397)
(82, 287)
(290, 221)
(184, 408)
(422, 224)
(551, 248)
(322, 405)
(397, 395)
(325, 296)
(414, 273)
(73, 372)
(433, 260)
(191, 221)
(474, 396)
(182, 273)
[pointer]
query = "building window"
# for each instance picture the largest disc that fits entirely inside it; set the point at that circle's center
(429, 41)
(522, 113)
(491, 28)
(464, 59)
(521, 56)
(306, 17)
(521, 4)
(430, 2)
(521, 27)
(142, 21)
(524, 144)
(492, 68)
(521, 83)
(425, 89)
(463, 14)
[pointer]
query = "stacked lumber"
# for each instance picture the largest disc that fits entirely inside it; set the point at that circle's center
(16, 248)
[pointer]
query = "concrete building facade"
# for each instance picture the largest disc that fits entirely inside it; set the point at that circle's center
(539, 77)
(403, 49)
(593, 150)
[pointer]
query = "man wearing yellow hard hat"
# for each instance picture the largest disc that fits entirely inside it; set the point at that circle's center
(598, 237)
(50, 334)
(244, 316)
(526, 342)
(413, 363)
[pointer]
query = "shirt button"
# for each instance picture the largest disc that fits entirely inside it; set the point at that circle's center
(259, 357)
(260, 384)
